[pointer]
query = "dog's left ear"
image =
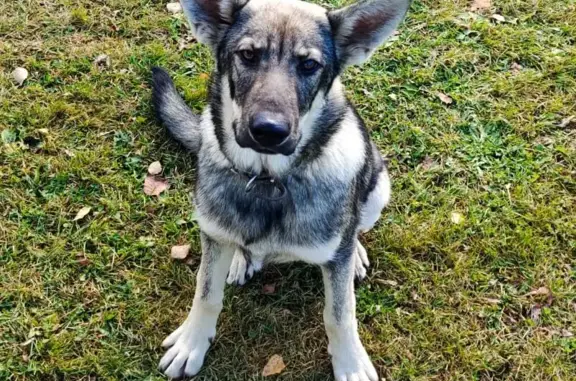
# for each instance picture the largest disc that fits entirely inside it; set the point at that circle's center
(210, 18)
(360, 28)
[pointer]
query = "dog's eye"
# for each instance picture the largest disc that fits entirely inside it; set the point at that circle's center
(248, 56)
(309, 66)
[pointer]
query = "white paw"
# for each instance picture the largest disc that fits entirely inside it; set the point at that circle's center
(361, 262)
(352, 364)
(188, 346)
(241, 269)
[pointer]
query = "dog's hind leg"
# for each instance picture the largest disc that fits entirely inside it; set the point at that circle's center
(349, 358)
(189, 343)
(371, 210)
(242, 268)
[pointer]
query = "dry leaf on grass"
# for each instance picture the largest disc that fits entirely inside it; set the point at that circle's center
(387, 282)
(567, 121)
(535, 312)
(155, 168)
(82, 213)
(498, 17)
(539, 292)
(428, 163)
(269, 289)
(180, 252)
(102, 61)
(480, 5)
(82, 260)
(444, 98)
(456, 218)
(274, 366)
(19, 75)
(516, 68)
(153, 185)
(174, 7)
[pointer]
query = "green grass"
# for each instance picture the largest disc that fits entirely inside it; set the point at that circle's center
(443, 301)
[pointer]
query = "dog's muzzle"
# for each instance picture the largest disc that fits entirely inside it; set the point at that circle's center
(268, 133)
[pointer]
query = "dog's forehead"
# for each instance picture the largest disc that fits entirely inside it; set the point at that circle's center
(286, 20)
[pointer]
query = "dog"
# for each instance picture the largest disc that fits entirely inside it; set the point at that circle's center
(286, 170)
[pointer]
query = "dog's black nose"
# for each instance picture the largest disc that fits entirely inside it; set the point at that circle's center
(269, 129)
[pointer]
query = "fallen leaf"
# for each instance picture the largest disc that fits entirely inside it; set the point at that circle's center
(274, 366)
(428, 163)
(492, 301)
(102, 61)
(480, 5)
(498, 17)
(25, 357)
(204, 76)
(540, 291)
(567, 333)
(567, 121)
(388, 282)
(155, 168)
(82, 213)
(535, 312)
(69, 153)
(174, 7)
(153, 185)
(269, 289)
(456, 218)
(82, 260)
(444, 98)
(180, 252)
(19, 75)
(516, 68)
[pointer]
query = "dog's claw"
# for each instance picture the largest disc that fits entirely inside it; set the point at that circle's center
(351, 363)
(361, 262)
(241, 269)
(187, 349)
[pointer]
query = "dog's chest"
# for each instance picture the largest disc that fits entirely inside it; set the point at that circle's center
(311, 215)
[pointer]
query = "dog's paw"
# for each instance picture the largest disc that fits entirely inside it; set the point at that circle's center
(242, 269)
(352, 364)
(187, 349)
(361, 262)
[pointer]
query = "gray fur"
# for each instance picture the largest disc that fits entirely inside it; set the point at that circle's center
(326, 203)
(171, 109)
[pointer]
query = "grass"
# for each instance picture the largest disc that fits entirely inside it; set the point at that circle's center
(93, 299)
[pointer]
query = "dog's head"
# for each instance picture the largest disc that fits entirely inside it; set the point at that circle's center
(278, 55)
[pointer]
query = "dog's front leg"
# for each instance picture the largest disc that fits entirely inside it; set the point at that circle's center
(349, 358)
(189, 343)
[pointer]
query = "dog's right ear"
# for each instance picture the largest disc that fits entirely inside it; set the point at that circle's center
(210, 18)
(361, 27)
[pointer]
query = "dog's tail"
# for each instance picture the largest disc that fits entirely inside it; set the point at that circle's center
(171, 109)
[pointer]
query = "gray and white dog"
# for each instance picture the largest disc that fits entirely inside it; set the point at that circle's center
(286, 170)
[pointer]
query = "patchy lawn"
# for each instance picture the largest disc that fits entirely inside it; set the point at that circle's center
(484, 209)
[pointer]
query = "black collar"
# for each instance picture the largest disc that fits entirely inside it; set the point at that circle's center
(263, 185)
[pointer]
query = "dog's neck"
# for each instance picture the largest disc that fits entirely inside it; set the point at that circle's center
(327, 108)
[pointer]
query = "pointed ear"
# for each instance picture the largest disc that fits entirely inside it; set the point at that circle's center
(210, 18)
(360, 28)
